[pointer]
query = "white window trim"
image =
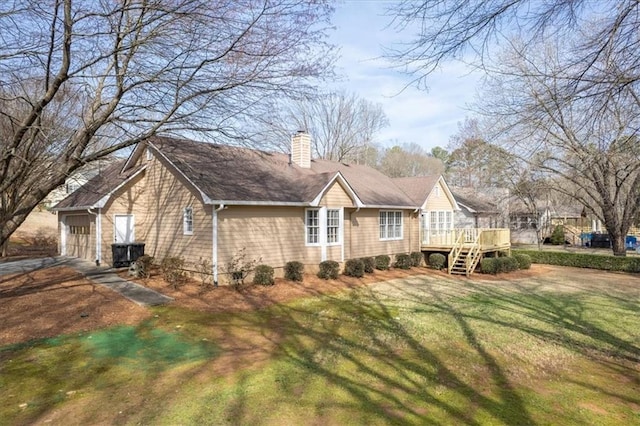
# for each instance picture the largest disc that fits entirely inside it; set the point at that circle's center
(340, 226)
(437, 212)
(401, 237)
(185, 230)
(306, 228)
(323, 227)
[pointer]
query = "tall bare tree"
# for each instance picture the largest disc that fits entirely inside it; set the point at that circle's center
(472, 161)
(81, 79)
(582, 136)
(456, 29)
(409, 160)
(343, 127)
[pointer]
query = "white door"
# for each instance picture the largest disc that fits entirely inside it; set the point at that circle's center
(124, 231)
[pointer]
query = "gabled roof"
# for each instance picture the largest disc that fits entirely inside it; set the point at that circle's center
(234, 175)
(420, 187)
(96, 191)
(472, 202)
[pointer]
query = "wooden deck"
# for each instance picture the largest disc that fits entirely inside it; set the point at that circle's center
(494, 239)
(467, 246)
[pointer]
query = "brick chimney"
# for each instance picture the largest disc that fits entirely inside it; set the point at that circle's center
(301, 149)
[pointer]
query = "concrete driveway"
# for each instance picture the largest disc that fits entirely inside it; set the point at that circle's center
(101, 275)
(27, 265)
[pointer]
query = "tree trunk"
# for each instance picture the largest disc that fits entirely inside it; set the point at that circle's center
(618, 244)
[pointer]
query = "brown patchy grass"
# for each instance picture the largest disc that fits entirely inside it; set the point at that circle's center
(59, 300)
(226, 299)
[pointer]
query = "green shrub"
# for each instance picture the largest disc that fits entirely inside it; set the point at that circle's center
(524, 260)
(369, 264)
(293, 271)
(173, 270)
(506, 264)
(417, 258)
(489, 265)
(403, 261)
(329, 270)
(584, 260)
(557, 236)
(263, 275)
(382, 262)
(354, 268)
(437, 260)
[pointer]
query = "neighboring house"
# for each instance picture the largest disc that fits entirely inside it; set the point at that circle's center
(204, 201)
(479, 209)
(76, 180)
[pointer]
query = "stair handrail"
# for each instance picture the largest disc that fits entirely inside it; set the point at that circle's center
(455, 252)
(473, 255)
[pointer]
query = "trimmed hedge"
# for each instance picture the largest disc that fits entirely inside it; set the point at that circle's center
(329, 270)
(403, 261)
(263, 275)
(437, 260)
(524, 260)
(382, 262)
(584, 260)
(293, 271)
(354, 268)
(489, 265)
(498, 265)
(417, 258)
(506, 264)
(369, 264)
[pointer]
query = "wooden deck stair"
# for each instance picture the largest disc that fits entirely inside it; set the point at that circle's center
(465, 255)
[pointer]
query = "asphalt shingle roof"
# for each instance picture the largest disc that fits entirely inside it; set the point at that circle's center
(97, 187)
(228, 173)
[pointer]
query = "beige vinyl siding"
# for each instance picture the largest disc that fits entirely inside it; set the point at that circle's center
(157, 201)
(336, 197)
(364, 235)
(168, 194)
(275, 235)
(438, 202)
(128, 200)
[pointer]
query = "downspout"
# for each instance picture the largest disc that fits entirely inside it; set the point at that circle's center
(214, 236)
(98, 235)
(418, 213)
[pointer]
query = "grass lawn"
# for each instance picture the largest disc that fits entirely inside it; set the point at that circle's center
(561, 348)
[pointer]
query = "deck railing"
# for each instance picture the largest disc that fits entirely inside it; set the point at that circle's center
(493, 237)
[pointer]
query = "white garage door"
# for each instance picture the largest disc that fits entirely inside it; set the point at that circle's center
(78, 237)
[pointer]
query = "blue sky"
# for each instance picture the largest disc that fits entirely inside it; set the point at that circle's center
(427, 118)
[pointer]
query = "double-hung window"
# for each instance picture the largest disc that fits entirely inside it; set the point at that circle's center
(333, 226)
(323, 226)
(441, 221)
(312, 222)
(390, 225)
(187, 221)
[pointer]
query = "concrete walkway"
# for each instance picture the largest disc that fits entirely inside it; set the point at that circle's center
(100, 275)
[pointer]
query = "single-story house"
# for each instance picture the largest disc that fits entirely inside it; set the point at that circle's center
(206, 201)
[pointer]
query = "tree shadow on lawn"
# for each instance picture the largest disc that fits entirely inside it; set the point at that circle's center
(562, 319)
(388, 371)
(357, 345)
